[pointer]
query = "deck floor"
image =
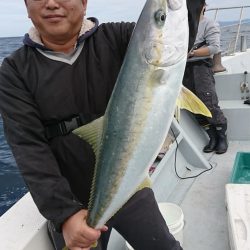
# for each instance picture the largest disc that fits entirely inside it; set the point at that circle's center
(204, 206)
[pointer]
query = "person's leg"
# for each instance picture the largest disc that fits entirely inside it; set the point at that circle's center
(217, 125)
(104, 239)
(142, 225)
(56, 238)
(211, 131)
(188, 78)
(222, 143)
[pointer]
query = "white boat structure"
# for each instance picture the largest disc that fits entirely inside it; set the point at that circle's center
(210, 223)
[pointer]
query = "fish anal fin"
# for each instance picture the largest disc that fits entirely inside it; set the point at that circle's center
(189, 101)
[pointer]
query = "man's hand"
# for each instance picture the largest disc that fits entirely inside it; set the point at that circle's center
(190, 54)
(77, 234)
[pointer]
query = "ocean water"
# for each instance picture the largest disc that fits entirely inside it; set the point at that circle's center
(8, 45)
(12, 187)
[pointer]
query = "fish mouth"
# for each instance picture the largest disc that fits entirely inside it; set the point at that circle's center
(163, 55)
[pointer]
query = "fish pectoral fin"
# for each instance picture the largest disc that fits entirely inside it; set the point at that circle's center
(91, 133)
(189, 101)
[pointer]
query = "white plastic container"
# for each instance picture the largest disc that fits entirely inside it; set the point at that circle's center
(238, 210)
(174, 218)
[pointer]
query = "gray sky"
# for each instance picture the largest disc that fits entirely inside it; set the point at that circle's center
(14, 20)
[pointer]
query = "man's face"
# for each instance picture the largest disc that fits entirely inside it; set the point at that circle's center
(57, 19)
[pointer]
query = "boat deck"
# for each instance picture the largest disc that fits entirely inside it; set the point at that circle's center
(204, 206)
(203, 199)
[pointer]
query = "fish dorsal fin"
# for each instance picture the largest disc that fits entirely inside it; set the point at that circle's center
(91, 133)
(189, 101)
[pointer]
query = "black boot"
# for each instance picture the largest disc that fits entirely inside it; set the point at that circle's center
(210, 147)
(222, 143)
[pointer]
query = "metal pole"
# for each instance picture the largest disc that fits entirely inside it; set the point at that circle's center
(243, 43)
(215, 15)
(238, 31)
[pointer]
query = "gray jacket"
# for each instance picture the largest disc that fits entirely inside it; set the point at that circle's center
(208, 31)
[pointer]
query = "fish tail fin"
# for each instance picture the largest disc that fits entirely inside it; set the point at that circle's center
(189, 101)
(91, 133)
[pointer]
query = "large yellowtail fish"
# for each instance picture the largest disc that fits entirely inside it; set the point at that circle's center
(129, 136)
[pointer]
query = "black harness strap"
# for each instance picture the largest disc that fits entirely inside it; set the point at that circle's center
(65, 127)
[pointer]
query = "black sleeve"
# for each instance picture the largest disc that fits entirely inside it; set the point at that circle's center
(24, 132)
(118, 35)
(24, 129)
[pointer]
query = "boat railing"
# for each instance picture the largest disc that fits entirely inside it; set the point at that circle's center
(234, 33)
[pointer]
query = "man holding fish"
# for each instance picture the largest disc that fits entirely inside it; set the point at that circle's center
(61, 79)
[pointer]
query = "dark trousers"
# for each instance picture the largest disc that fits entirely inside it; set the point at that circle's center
(198, 77)
(142, 225)
(140, 222)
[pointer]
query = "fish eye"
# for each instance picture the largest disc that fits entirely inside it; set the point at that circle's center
(160, 17)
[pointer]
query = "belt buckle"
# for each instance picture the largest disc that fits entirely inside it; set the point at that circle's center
(68, 126)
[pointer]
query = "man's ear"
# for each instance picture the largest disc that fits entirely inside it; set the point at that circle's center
(84, 3)
(27, 9)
